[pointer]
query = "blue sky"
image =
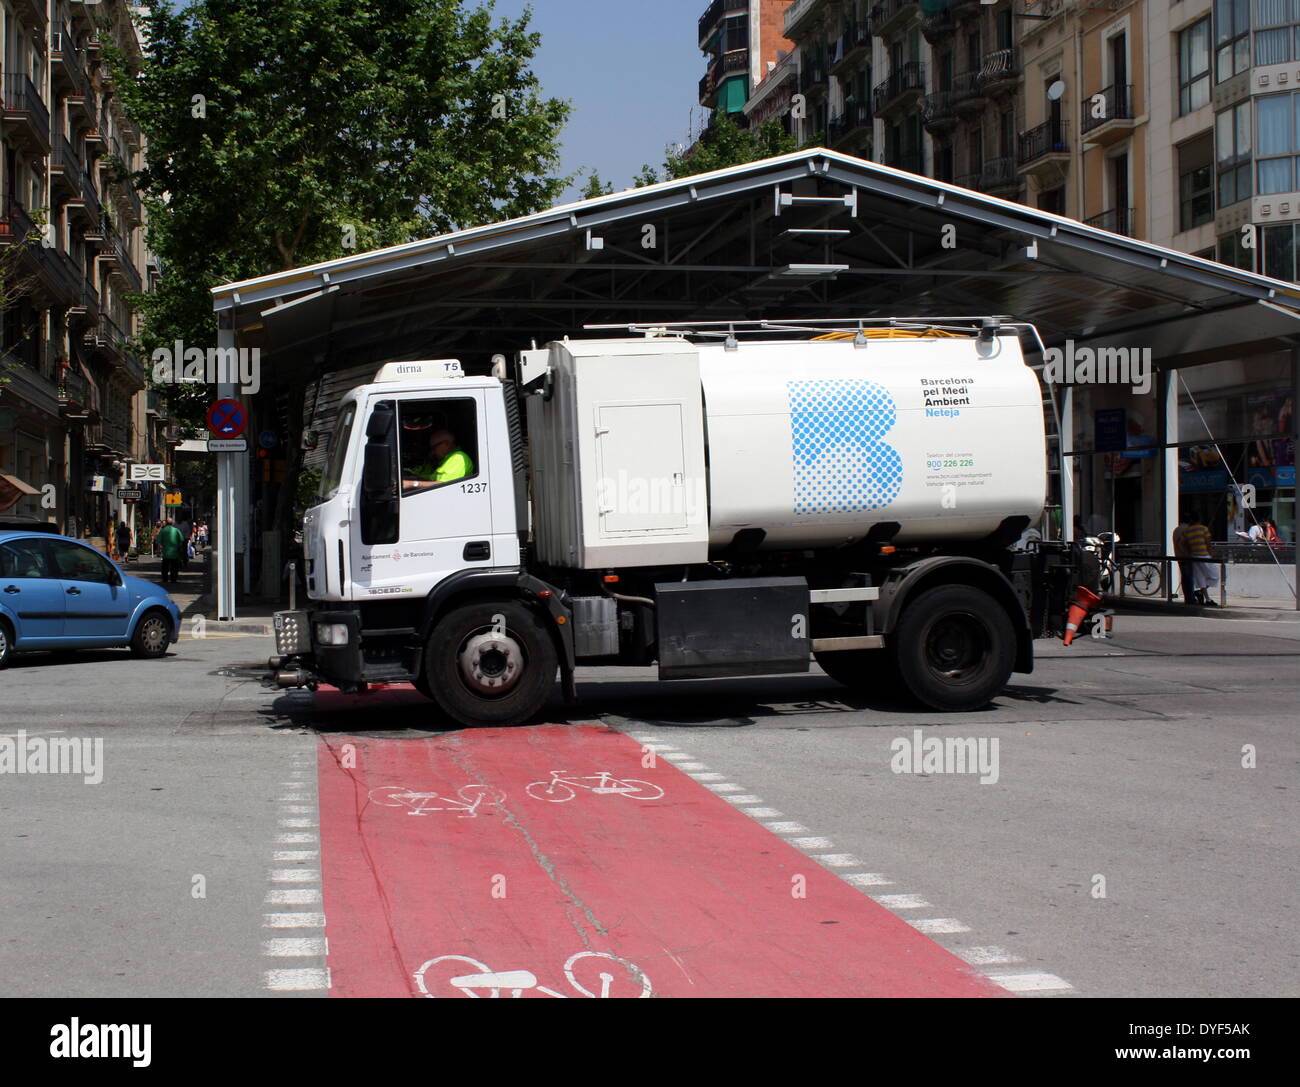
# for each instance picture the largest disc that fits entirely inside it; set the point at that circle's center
(631, 68)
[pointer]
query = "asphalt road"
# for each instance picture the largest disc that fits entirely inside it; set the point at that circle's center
(1123, 849)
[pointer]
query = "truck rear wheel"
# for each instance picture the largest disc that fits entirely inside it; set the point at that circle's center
(955, 648)
(868, 671)
(490, 663)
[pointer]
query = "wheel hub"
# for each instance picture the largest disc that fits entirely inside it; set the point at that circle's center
(953, 646)
(491, 663)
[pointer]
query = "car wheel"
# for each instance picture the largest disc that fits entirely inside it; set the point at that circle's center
(153, 634)
(955, 648)
(6, 643)
(490, 663)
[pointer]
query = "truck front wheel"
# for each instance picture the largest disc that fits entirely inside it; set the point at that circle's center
(955, 648)
(490, 663)
(867, 671)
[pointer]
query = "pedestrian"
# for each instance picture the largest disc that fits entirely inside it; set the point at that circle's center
(172, 542)
(1271, 535)
(186, 528)
(1184, 562)
(1196, 541)
(123, 540)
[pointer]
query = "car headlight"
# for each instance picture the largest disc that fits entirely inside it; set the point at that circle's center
(332, 633)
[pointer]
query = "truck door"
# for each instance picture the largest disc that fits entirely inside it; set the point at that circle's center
(445, 506)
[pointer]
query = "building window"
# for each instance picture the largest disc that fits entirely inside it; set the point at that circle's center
(1194, 67)
(1052, 200)
(1278, 251)
(1233, 253)
(1231, 38)
(1275, 46)
(1232, 154)
(1276, 144)
(1195, 183)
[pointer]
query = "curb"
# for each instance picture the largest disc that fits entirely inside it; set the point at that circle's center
(1127, 605)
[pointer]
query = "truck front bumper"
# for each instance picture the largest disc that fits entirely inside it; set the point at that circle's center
(314, 646)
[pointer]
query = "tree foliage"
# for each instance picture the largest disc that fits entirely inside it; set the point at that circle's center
(724, 143)
(282, 133)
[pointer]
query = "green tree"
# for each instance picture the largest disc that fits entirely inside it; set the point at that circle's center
(595, 187)
(724, 143)
(284, 132)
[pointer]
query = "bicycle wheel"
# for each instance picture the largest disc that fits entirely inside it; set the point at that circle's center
(608, 975)
(442, 978)
(557, 792)
(480, 796)
(386, 796)
(1145, 579)
(643, 790)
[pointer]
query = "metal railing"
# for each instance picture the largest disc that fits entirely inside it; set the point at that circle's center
(73, 388)
(15, 224)
(1117, 103)
(909, 77)
(1051, 137)
(998, 66)
(937, 107)
(999, 173)
(21, 96)
(1116, 220)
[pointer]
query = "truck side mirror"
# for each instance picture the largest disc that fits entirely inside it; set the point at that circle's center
(380, 495)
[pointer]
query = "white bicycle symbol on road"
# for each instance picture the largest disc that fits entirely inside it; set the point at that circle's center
(599, 969)
(467, 800)
(560, 788)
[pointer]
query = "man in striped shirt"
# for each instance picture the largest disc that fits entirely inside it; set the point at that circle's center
(1196, 545)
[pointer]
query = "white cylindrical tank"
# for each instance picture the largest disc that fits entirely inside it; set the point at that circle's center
(814, 442)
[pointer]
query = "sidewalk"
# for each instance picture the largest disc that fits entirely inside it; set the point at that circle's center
(1280, 609)
(192, 599)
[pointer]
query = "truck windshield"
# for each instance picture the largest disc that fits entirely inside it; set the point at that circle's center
(338, 452)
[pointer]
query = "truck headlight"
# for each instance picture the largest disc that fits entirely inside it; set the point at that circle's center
(332, 633)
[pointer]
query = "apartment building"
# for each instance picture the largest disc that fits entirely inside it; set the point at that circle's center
(743, 41)
(73, 403)
(1173, 122)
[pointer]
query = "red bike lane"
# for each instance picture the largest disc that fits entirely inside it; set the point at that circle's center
(459, 866)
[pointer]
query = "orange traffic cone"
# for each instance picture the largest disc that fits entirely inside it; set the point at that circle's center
(1084, 601)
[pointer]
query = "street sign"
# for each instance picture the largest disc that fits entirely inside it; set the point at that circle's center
(130, 494)
(146, 473)
(227, 445)
(268, 439)
(227, 418)
(173, 499)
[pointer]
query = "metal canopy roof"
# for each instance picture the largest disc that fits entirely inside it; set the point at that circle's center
(811, 234)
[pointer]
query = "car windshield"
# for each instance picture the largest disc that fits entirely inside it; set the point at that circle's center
(338, 452)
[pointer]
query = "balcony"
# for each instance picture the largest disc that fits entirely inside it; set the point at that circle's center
(69, 76)
(964, 9)
(74, 393)
(851, 127)
(85, 204)
(999, 175)
(87, 306)
(967, 95)
(1044, 150)
(900, 90)
(25, 115)
(31, 12)
(854, 45)
(65, 167)
(60, 278)
(105, 335)
(937, 112)
(937, 26)
(968, 181)
(16, 226)
(890, 15)
(796, 17)
(812, 76)
(1000, 72)
(716, 12)
(115, 255)
(1116, 220)
(1108, 115)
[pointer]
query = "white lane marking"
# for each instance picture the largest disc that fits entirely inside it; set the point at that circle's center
(299, 980)
(812, 843)
(759, 813)
(296, 822)
(938, 926)
(986, 956)
(691, 766)
(291, 799)
(868, 879)
(296, 855)
(646, 739)
(786, 827)
(295, 896)
(295, 947)
(748, 798)
(293, 920)
(293, 784)
(294, 839)
(297, 809)
(723, 787)
(1030, 983)
(902, 902)
(709, 777)
(837, 860)
(295, 875)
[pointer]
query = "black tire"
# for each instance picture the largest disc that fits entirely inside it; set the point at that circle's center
(867, 671)
(520, 659)
(6, 643)
(153, 634)
(955, 648)
(421, 684)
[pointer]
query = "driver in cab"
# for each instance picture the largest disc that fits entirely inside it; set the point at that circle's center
(446, 463)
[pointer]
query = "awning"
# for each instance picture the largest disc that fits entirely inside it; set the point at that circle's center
(13, 490)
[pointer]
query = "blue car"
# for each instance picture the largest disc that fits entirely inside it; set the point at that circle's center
(58, 593)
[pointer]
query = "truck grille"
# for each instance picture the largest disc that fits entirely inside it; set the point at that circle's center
(292, 633)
